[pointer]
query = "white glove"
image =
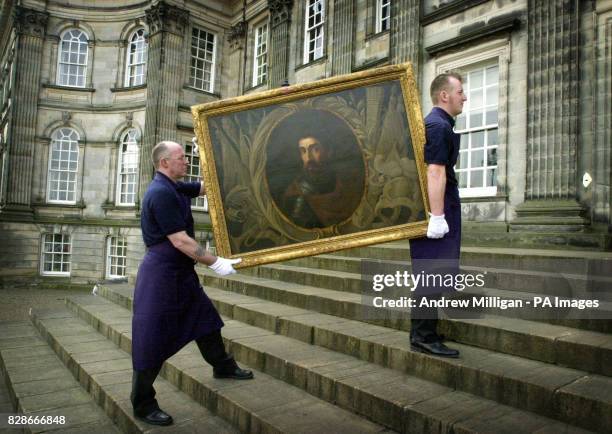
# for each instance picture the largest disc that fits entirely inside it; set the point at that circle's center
(437, 227)
(223, 266)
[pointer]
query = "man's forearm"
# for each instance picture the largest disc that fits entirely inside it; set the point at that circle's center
(436, 187)
(192, 248)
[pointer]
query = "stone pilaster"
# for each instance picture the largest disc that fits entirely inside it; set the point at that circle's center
(236, 65)
(342, 57)
(602, 172)
(30, 26)
(552, 118)
(280, 20)
(405, 32)
(167, 27)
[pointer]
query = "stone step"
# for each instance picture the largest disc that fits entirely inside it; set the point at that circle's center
(557, 283)
(572, 262)
(475, 235)
(40, 386)
(562, 345)
(105, 371)
(402, 401)
(284, 409)
(598, 319)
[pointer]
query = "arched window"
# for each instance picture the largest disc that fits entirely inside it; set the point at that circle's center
(136, 63)
(63, 166)
(127, 173)
(72, 64)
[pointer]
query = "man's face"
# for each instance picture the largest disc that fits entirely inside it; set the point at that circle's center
(456, 97)
(314, 155)
(176, 164)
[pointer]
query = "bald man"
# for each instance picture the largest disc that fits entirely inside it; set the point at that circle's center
(170, 307)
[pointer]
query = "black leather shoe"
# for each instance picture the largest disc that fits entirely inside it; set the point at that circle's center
(157, 417)
(235, 373)
(434, 348)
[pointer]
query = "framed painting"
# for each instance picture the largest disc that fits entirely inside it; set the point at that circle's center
(316, 167)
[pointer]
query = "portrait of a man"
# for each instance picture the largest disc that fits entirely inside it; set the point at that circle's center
(316, 179)
(315, 167)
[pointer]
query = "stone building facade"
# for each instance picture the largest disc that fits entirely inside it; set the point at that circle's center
(87, 89)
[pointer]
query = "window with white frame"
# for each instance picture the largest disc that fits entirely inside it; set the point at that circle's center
(72, 59)
(313, 29)
(136, 62)
(63, 165)
(116, 257)
(193, 174)
(202, 71)
(127, 173)
(260, 55)
(56, 253)
(478, 125)
(383, 14)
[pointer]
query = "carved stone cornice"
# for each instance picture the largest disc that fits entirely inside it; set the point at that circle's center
(163, 17)
(280, 11)
(236, 35)
(30, 22)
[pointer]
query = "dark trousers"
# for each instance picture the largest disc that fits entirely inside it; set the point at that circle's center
(143, 393)
(435, 256)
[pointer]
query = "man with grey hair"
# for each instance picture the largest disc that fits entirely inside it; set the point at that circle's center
(439, 252)
(171, 308)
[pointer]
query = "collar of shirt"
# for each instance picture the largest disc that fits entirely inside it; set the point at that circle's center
(441, 112)
(163, 178)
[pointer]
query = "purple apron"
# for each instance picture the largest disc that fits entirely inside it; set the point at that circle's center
(170, 307)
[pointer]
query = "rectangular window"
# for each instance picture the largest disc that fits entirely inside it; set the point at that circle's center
(383, 13)
(260, 55)
(63, 162)
(314, 37)
(116, 257)
(202, 70)
(477, 164)
(56, 252)
(193, 174)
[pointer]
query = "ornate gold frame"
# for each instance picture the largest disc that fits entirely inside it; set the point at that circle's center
(202, 112)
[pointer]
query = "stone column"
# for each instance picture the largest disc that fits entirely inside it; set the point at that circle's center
(167, 27)
(280, 20)
(552, 118)
(30, 26)
(342, 46)
(406, 33)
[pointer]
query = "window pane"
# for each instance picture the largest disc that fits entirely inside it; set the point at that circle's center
(462, 179)
(461, 164)
(492, 157)
(475, 119)
(477, 139)
(476, 178)
(492, 95)
(460, 122)
(492, 137)
(491, 178)
(476, 99)
(476, 79)
(477, 158)
(493, 75)
(491, 116)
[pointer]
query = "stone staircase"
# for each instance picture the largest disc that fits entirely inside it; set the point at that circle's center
(322, 366)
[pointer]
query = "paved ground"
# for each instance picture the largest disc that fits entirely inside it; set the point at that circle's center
(16, 302)
(14, 306)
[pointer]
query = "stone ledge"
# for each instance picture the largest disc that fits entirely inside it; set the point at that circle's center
(491, 28)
